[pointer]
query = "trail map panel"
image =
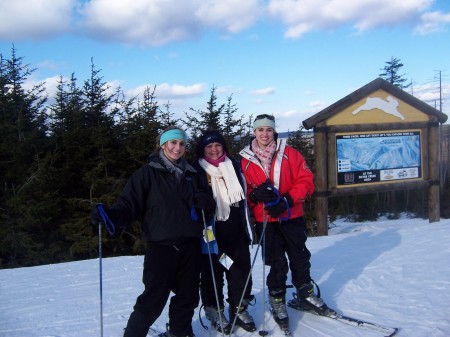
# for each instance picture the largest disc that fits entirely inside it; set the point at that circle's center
(364, 158)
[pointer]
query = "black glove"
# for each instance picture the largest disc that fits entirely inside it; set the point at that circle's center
(282, 205)
(113, 226)
(95, 215)
(263, 193)
(205, 201)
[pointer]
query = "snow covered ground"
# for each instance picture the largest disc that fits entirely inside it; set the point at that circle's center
(395, 273)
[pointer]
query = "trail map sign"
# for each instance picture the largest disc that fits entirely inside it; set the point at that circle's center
(364, 158)
(378, 138)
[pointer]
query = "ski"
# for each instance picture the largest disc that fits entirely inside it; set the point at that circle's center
(333, 314)
(285, 330)
(284, 327)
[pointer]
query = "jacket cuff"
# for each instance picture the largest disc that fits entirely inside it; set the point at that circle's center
(289, 199)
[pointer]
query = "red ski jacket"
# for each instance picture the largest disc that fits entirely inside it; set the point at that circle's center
(289, 173)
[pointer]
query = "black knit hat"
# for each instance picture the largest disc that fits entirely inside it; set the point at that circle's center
(208, 137)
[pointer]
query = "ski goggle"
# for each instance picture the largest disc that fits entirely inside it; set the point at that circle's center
(264, 120)
(263, 116)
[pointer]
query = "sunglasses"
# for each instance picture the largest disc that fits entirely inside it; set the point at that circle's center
(263, 116)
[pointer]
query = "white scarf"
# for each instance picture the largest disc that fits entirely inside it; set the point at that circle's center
(225, 186)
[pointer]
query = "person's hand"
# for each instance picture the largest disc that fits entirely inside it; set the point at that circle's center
(275, 210)
(111, 223)
(263, 193)
(205, 201)
(96, 218)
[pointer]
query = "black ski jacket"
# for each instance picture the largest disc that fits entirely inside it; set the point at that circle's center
(164, 206)
(243, 209)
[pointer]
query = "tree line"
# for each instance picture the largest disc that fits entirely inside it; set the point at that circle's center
(59, 158)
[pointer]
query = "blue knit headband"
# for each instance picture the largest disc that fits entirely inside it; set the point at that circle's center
(172, 134)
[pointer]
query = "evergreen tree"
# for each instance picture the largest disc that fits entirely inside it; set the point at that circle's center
(67, 129)
(142, 128)
(220, 117)
(234, 129)
(53, 170)
(85, 142)
(302, 141)
(23, 146)
(391, 73)
(22, 123)
(210, 119)
(165, 117)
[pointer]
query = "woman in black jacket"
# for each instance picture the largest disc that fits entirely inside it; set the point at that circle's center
(222, 177)
(162, 195)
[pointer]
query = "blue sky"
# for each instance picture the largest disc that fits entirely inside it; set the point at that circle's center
(283, 57)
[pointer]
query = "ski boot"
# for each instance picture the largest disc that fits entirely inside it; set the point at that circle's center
(279, 311)
(242, 317)
(305, 299)
(218, 320)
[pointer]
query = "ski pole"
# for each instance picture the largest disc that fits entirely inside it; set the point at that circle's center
(212, 272)
(101, 279)
(111, 228)
(264, 332)
(250, 272)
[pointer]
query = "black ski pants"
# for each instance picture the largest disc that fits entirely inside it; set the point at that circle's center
(168, 269)
(231, 240)
(285, 247)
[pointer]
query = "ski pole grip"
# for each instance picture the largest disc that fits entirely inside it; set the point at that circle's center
(106, 220)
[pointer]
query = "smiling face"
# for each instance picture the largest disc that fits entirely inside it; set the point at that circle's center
(264, 135)
(213, 151)
(174, 149)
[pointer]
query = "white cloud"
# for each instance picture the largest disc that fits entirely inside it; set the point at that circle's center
(233, 15)
(147, 22)
(303, 16)
(157, 22)
(288, 120)
(165, 90)
(50, 84)
(35, 19)
(170, 91)
(432, 94)
(432, 22)
(264, 91)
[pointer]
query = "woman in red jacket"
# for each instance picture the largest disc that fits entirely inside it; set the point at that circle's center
(278, 181)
